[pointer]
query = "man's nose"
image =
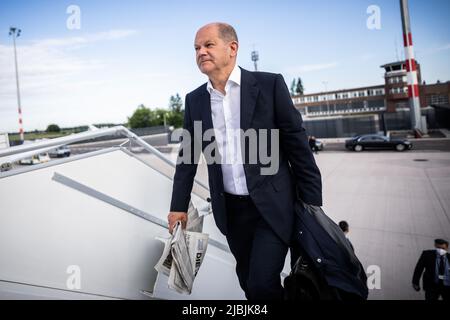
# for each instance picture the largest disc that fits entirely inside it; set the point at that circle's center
(201, 52)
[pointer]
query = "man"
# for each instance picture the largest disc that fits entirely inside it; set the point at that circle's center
(436, 279)
(345, 228)
(254, 211)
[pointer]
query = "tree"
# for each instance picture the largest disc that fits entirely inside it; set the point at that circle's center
(176, 114)
(53, 128)
(144, 117)
(141, 118)
(293, 87)
(299, 87)
(175, 103)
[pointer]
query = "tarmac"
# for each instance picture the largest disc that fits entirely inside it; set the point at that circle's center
(396, 204)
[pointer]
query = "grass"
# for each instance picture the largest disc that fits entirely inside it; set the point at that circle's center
(40, 135)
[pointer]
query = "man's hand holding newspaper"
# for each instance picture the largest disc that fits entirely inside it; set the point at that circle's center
(184, 251)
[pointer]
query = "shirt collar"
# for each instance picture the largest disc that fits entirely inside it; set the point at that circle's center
(234, 77)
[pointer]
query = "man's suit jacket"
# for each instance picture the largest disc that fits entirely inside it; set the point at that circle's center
(265, 104)
(427, 262)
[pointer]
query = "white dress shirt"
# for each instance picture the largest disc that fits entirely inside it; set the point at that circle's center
(226, 117)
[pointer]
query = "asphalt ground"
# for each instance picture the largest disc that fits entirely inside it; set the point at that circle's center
(396, 204)
(442, 145)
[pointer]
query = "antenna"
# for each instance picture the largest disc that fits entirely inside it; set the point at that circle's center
(396, 50)
(255, 58)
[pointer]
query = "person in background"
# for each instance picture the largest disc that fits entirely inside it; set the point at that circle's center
(312, 144)
(436, 278)
(344, 227)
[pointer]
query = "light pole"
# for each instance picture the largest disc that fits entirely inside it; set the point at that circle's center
(158, 116)
(255, 58)
(14, 32)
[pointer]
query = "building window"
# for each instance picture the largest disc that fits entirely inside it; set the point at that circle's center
(314, 109)
(396, 90)
(402, 105)
(437, 99)
(375, 104)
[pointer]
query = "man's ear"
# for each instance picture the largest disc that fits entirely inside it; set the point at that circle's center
(234, 46)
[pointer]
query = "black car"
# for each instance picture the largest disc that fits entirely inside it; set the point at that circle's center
(60, 152)
(365, 142)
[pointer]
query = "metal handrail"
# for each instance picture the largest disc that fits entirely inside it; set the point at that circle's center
(117, 130)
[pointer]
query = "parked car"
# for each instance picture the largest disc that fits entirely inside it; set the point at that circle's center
(6, 166)
(319, 145)
(366, 142)
(36, 159)
(60, 152)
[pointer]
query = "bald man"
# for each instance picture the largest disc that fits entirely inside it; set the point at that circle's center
(252, 200)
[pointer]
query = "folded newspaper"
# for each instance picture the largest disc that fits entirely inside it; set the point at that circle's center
(183, 253)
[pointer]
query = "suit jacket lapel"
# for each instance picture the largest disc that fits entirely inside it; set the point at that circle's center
(216, 170)
(249, 94)
(205, 103)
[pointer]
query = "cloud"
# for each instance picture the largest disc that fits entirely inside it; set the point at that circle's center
(40, 70)
(313, 67)
(53, 73)
(437, 49)
(45, 65)
(76, 41)
(367, 57)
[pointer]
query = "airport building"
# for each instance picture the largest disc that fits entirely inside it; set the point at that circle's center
(373, 109)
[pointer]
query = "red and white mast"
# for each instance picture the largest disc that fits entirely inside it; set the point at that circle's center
(411, 68)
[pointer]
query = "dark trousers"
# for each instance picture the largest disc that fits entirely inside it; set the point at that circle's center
(259, 252)
(434, 292)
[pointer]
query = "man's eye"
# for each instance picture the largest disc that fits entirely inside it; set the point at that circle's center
(209, 45)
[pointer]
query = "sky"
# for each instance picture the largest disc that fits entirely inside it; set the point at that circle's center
(127, 53)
